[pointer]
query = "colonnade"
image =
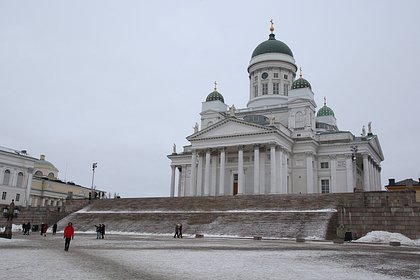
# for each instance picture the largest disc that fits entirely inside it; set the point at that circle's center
(209, 169)
(371, 174)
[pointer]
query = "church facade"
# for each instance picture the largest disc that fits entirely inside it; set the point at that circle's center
(279, 144)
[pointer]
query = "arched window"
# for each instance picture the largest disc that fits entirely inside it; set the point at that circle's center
(299, 120)
(51, 175)
(19, 182)
(6, 177)
(39, 173)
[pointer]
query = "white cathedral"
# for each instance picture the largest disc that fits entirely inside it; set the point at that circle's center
(278, 144)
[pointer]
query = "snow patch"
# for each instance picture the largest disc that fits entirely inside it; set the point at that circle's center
(386, 237)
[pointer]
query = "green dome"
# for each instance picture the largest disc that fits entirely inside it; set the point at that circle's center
(215, 95)
(325, 111)
(272, 46)
(301, 83)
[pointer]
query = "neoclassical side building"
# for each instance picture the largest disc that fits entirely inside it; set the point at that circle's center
(279, 144)
(16, 169)
(34, 182)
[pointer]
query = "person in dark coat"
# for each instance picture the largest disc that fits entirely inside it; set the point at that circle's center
(54, 229)
(98, 230)
(103, 231)
(180, 231)
(45, 229)
(176, 231)
(42, 228)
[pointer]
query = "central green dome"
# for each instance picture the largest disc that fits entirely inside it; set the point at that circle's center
(272, 46)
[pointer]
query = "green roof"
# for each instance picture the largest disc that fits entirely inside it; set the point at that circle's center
(325, 111)
(272, 46)
(301, 83)
(215, 95)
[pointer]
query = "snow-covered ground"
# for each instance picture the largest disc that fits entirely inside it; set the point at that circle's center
(163, 257)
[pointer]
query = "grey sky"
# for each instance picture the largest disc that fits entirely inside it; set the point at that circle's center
(118, 82)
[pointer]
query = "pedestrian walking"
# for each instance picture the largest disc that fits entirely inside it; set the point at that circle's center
(68, 235)
(54, 229)
(103, 231)
(176, 231)
(180, 231)
(45, 229)
(98, 231)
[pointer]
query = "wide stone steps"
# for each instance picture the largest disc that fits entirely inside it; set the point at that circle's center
(277, 216)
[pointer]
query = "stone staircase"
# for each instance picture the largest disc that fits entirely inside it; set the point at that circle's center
(275, 216)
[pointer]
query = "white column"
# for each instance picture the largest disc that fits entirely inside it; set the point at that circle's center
(200, 176)
(283, 189)
(263, 156)
(193, 183)
(180, 174)
(349, 173)
(372, 176)
(379, 177)
(207, 174)
(285, 172)
(333, 168)
(172, 194)
(213, 174)
(184, 175)
(222, 172)
(273, 168)
(256, 169)
(240, 170)
(309, 173)
(366, 185)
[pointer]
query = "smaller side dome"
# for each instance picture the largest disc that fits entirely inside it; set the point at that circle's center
(325, 110)
(215, 95)
(301, 82)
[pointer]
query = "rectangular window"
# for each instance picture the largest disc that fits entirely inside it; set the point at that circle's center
(275, 88)
(276, 75)
(285, 77)
(325, 186)
(264, 89)
(17, 196)
(286, 89)
(256, 91)
(256, 78)
(324, 165)
(3, 196)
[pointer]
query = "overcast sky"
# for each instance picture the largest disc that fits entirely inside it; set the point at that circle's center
(118, 82)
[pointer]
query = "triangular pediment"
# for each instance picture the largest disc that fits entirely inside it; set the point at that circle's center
(374, 142)
(230, 127)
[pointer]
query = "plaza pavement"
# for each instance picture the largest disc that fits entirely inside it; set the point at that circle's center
(163, 257)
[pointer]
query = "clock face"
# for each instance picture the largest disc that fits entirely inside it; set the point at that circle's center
(264, 75)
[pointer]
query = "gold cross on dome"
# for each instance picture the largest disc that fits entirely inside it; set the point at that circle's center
(272, 26)
(215, 85)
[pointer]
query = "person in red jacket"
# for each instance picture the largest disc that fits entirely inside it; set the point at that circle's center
(68, 235)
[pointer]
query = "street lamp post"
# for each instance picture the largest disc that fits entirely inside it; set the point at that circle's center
(9, 213)
(94, 165)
